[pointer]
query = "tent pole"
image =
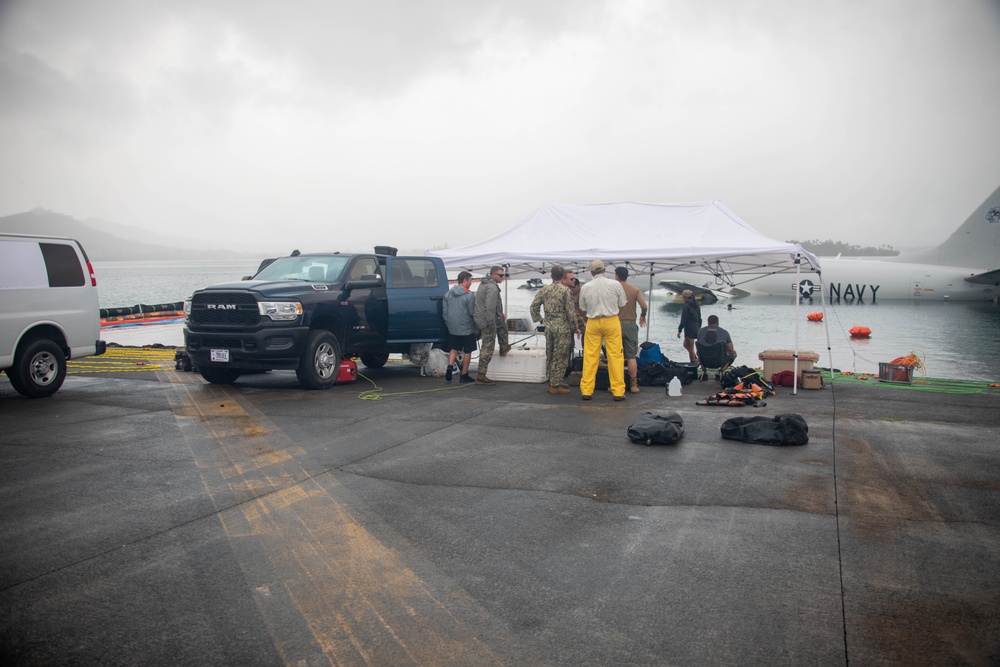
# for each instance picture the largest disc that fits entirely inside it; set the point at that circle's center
(506, 300)
(798, 303)
(822, 300)
(649, 306)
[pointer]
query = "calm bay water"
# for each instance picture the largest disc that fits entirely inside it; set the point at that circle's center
(955, 340)
(129, 283)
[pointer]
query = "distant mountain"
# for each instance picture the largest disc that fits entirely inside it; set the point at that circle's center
(105, 242)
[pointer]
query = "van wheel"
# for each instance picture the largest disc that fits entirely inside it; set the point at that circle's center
(375, 359)
(39, 369)
(219, 375)
(320, 361)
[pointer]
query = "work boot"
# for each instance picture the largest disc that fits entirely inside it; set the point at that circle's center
(504, 349)
(635, 385)
(620, 398)
(482, 379)
(557, 389)
(465, 377)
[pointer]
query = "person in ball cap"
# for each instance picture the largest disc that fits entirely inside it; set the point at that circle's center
(690, 323)
(601, 300)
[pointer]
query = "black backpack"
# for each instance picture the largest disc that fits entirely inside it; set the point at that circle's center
(784, 429)
(653, 429)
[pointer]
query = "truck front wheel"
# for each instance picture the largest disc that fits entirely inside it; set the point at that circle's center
(320, 361)
(375, 358)
(219, 375)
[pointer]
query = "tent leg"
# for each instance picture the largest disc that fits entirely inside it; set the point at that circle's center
(798, 304)
(826, 324)
(649, 306)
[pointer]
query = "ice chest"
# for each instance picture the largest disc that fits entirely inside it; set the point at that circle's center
(776, 361)
(522, 364)
(811, 379)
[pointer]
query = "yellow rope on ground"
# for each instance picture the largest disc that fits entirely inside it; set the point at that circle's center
(122, 360)
(377, 394)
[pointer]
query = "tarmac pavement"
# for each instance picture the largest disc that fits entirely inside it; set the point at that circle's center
(147, 517)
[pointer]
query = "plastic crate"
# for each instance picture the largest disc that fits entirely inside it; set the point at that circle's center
(895, 373)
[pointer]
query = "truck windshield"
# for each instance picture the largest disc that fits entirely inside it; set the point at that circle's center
(313, 268)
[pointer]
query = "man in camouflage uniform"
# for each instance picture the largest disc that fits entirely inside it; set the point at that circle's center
(560, 324)
(491, 321)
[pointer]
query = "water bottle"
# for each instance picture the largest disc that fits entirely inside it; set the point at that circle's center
(674, 388)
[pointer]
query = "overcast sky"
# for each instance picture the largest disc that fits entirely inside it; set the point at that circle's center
(328, 124)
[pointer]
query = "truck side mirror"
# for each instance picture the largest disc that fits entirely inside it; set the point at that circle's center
(368, 281)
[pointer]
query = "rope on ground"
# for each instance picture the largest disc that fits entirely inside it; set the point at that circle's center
(942, 386)
(122, 360)
(377, 393)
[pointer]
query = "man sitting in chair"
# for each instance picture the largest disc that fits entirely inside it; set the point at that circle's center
(715, 347)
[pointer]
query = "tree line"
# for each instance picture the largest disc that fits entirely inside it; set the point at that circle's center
(830, 248)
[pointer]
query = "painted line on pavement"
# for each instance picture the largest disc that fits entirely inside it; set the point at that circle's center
(315, 570)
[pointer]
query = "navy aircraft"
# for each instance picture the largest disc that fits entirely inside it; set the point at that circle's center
(965, 267)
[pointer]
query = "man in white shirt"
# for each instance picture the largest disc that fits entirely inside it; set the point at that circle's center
(601, 300)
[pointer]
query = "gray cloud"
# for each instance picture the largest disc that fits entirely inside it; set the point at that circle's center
(424, 123)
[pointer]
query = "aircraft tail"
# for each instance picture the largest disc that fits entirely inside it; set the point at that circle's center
(975, 244)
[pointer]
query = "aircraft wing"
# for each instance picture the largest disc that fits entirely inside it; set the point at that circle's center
(679, 286)
(988, 278)
(704, 295)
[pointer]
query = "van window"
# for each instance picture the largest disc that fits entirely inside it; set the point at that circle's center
(21, 265)
(32, 265)
(62, 265)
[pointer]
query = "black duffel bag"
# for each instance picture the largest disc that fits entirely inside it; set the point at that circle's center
(653, 374)
(784, 429)
(653, 429)
(686, 372)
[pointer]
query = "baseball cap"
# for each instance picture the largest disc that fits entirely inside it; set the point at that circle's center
(597, 266)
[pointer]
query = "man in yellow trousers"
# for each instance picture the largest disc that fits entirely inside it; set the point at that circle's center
(600, 299)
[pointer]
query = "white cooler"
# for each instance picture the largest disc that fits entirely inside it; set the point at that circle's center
(522, 364)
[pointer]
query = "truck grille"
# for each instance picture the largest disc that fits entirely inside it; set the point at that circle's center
(225, 308)
(234, 343)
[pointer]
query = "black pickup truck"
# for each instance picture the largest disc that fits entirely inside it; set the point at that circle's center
(305, 311)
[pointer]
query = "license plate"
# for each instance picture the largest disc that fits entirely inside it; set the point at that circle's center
(220, 355)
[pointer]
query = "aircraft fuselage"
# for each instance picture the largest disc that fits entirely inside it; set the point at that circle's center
(869, 280)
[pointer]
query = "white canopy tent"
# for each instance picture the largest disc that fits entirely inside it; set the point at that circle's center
(703, 238)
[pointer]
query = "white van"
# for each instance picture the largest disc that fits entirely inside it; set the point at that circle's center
(49, 311)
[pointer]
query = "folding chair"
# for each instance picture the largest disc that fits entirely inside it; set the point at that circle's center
(713, 357)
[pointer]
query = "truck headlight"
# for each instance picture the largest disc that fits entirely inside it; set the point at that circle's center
(187, 308)
(280, 311)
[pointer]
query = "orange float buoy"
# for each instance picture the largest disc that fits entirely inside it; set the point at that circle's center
(860, 332)
(815, 317)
